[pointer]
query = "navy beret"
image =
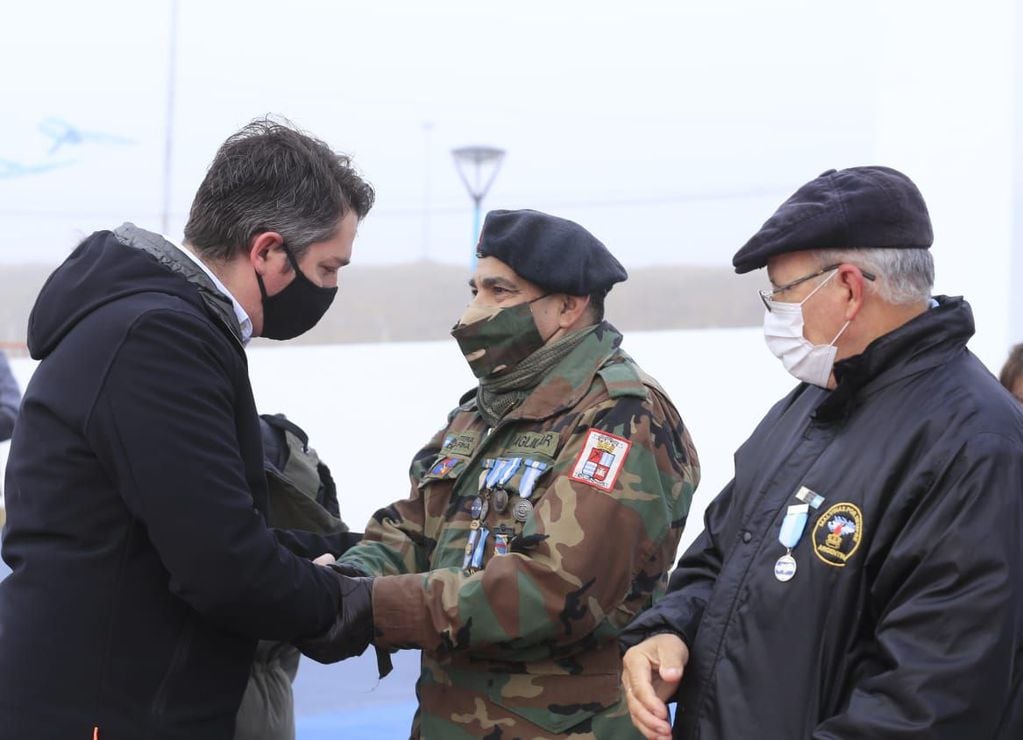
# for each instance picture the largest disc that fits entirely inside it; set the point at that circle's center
(860, 207)
(556, 254)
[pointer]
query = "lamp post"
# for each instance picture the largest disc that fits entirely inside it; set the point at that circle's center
(168, 140)
(477, 166)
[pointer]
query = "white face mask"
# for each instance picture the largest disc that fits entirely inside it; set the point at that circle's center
(783, 331)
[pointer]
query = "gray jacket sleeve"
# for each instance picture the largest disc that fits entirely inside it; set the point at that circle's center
(10, 399)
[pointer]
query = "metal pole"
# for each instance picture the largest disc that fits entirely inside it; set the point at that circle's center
(1016, 230)
(168, 146)
(477, 158)
(475, 231)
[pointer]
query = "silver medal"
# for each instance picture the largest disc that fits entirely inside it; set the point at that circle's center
(523, 508)
(785, 568)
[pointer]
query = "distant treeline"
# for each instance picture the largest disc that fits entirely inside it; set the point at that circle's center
(421, 301)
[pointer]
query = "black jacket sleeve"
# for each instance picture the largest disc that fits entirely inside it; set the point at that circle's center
(163, 425)
(311, 545)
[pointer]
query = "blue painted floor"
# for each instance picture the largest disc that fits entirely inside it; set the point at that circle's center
(347, 701)
(371, 722)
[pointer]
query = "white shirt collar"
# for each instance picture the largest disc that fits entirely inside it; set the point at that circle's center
(243, 318)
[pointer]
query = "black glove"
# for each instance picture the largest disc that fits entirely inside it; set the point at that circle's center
(346, 569)
(352, 631)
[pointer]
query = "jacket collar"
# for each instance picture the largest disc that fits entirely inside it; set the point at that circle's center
(570, 380)
(172, 258)
(933, 338)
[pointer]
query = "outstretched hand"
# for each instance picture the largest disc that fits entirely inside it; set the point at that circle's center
(651, 672)
(352, 630)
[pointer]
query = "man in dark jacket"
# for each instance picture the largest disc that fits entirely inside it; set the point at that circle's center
(861, 574)
(143, 569)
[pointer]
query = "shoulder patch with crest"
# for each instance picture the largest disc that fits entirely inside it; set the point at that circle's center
(601, 460)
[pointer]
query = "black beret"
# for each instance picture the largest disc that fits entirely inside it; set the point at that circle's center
(860, 207)
(557, 254)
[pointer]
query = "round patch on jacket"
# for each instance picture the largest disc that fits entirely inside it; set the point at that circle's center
(837, 534)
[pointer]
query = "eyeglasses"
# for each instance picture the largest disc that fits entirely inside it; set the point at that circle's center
(767, 296)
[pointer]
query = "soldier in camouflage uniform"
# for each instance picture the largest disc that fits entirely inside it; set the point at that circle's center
(543, 517)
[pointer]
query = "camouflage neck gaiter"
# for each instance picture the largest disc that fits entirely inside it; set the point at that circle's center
(499, 395)
(495, 339)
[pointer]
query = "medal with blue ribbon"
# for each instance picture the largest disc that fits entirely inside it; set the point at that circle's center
(791, 530)
(481, 548)
(534, 469)
(493, 478)
(502, 471)
(470, 547)
(501, 543)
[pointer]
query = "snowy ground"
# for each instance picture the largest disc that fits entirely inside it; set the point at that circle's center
(367, 409)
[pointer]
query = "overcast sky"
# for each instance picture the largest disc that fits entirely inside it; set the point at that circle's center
(670, 129)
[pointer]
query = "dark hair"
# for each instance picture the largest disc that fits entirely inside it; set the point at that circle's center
(1012, 369)
(596, 305)
(272, 177)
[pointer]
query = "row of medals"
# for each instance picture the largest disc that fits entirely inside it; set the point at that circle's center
(495, 475)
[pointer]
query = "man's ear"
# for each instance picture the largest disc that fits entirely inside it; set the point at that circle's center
(851, 279)
(262, 247)
(572, 308)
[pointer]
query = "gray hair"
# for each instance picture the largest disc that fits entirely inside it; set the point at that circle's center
(904, 276)
(272, 177)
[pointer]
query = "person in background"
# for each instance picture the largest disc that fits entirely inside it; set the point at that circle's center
(862, 574)
(10, 400)
(1011, 376)
(544, 514)
(143, 568)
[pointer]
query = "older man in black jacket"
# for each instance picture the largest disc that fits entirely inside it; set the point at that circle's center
(862, 575)
(143, 569)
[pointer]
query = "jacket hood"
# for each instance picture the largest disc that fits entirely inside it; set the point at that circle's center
(102, 269)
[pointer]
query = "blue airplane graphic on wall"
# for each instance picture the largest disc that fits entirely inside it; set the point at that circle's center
(64, 138)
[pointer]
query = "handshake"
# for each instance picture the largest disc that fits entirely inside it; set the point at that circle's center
(352, 631)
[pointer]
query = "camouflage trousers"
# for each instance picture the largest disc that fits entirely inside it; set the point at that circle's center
(479, 718)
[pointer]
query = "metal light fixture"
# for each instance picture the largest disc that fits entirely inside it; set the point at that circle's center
(477, 166)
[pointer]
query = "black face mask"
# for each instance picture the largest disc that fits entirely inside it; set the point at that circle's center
(297, 308)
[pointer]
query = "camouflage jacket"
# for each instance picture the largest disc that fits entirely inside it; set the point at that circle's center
(524, 646)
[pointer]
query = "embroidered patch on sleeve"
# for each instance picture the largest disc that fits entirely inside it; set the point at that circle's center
(601, 460)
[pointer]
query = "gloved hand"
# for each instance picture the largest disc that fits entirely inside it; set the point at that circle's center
(348, 570)
(352, 631)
